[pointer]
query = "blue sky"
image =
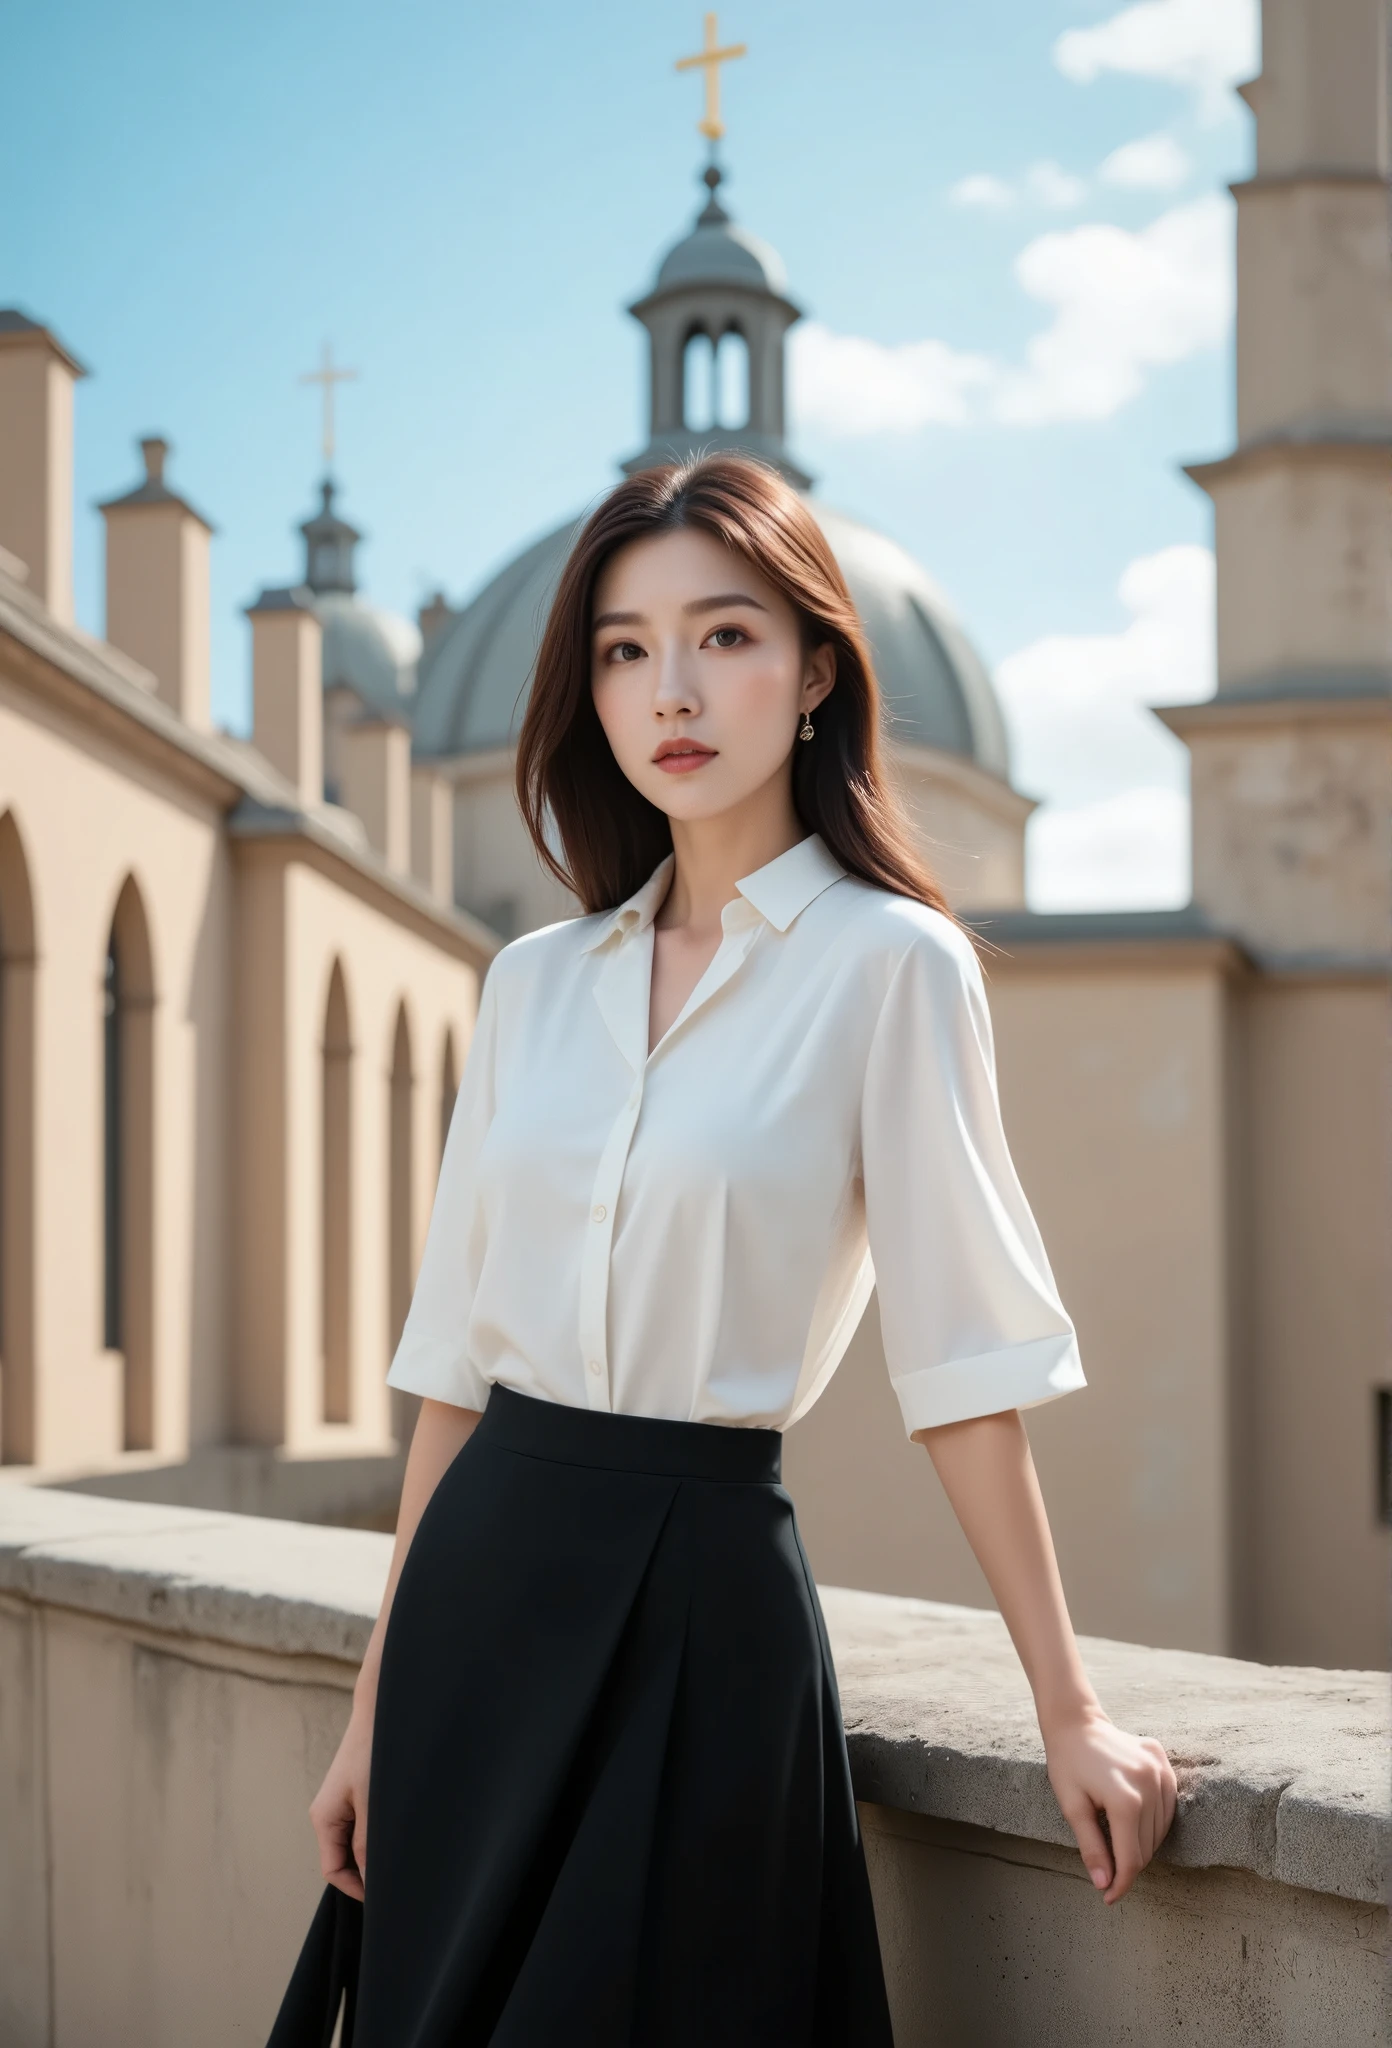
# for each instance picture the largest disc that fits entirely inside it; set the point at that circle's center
(464, 199)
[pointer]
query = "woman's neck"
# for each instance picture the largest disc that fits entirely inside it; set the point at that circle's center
(713, 854)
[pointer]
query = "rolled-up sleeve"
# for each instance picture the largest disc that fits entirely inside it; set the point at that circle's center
(971, 1317)
(432, 1357)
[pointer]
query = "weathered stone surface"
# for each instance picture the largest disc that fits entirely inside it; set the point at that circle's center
(239, 1579)
(1283, 1772)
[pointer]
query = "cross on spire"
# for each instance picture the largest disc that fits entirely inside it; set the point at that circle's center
(327, 376)
(709, 59)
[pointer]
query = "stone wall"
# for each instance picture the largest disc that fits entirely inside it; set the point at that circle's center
(173, 1683)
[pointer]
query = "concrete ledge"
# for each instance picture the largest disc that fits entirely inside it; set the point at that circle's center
(286, 1587)
(1283, 1771)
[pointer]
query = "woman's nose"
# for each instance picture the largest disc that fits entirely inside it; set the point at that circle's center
(675, 692)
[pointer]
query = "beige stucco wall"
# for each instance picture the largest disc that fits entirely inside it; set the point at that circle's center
(295, 922)
(180, 1786)
(1321, 1243)
(92, 812)
(1207, 1958)
(1113, 1081)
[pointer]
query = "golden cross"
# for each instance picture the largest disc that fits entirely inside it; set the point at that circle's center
(710, 60)
(328, 376)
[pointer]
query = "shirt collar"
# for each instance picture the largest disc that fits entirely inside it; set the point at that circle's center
(779, 891)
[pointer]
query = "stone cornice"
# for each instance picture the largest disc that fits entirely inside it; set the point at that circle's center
(1266, 705)
(1365, 442)
(1286, 181)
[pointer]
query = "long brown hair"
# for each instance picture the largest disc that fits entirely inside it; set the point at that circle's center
(570, 787)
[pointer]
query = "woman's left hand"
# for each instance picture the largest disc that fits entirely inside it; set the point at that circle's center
(1096, 1768)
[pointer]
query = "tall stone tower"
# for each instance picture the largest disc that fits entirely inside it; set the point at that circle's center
(1292, 761)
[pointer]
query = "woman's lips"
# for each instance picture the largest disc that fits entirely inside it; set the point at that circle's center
(682, 764)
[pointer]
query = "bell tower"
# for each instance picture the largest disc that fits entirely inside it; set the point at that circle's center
(1292, 759)
(716, 319)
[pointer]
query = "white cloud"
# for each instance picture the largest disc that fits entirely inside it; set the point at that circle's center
(1207, 46)
(1127, 852)
(1046, 183)
(982, 189)
(1075, 702)
(850, 386)
(1152, 163)
(1113, 829)
(1051, 185)
(1123, 303)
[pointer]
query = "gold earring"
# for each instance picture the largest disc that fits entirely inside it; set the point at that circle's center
(805, 729)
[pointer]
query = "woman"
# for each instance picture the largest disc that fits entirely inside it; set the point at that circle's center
(597, 1720)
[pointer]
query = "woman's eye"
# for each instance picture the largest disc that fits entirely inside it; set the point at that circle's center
(727, 636)
(626, 650)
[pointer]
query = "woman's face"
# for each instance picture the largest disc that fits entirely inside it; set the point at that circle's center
(699, 673)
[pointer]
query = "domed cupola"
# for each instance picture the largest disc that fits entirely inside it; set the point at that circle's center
(716, 318)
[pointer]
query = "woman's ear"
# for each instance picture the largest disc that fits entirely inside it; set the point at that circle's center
(818, 676)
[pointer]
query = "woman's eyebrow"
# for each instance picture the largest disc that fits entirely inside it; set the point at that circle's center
(718, 604)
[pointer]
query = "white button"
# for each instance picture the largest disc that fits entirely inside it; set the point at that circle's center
(599, 1212)
(595, 1365)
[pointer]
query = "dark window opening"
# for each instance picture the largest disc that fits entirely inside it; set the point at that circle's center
(113, 1335)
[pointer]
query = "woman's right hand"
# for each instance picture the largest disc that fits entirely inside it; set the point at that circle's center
(339, 1809)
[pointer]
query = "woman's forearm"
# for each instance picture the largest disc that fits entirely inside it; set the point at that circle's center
(989, 1477)
(440, 1434)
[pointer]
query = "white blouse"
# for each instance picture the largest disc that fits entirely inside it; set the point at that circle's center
(694, 1232)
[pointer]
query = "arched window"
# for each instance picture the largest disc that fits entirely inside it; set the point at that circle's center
(449, 1088)
(400, 1192)
(731, 380)
(128, 1161)
(698, 383)
(17, 974)
(336, 1203)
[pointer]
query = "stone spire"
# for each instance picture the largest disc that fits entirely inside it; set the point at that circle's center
(1292, 761)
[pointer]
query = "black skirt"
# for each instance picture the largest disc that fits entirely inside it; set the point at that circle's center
(610, 1801)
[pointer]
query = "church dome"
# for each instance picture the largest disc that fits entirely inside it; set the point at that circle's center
(718, 252)
(474, 678)
(371, 652)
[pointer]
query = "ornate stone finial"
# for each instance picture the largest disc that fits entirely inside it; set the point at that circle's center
(154, 450)
(709, 59)
(327, 376)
